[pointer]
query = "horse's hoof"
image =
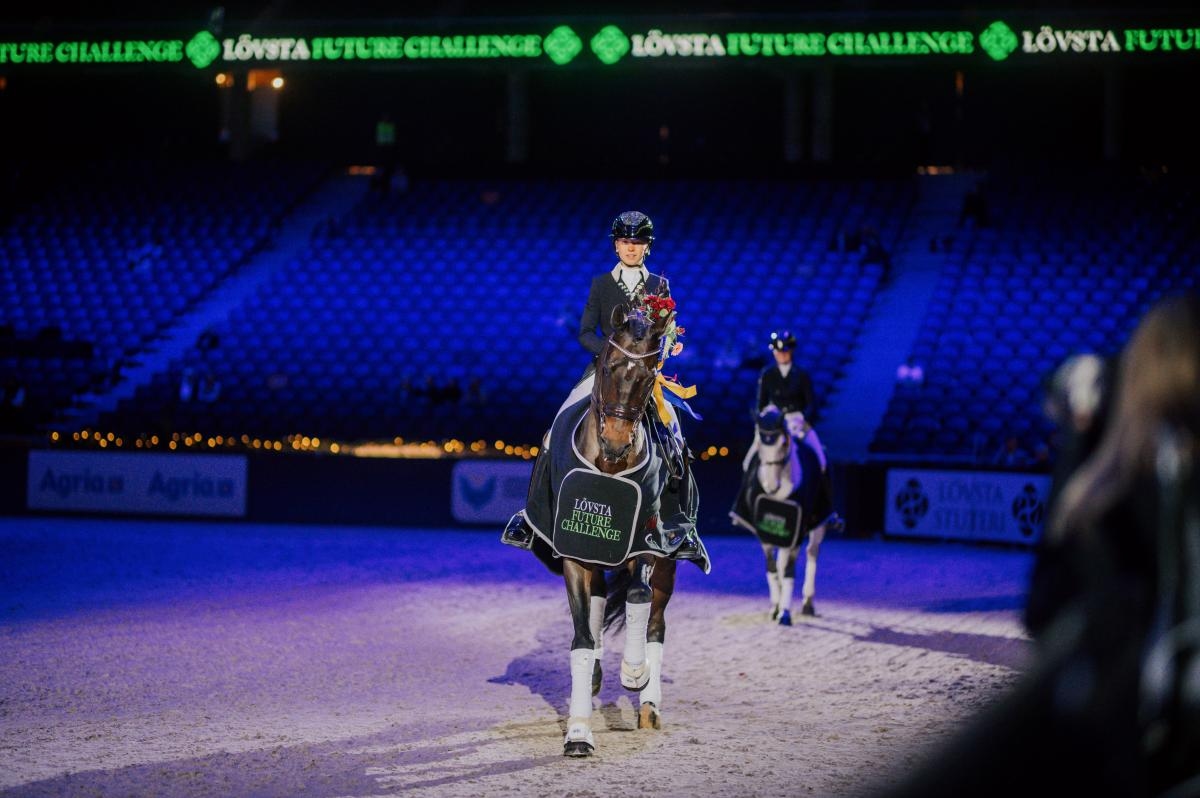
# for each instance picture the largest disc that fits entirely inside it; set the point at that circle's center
(785, 618)
(579, 740)
(808, 609)
(775, 613)
(635, 677)
(578, 749)
(648, 717)
(597, 677)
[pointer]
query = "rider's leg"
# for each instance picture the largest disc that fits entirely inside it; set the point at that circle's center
(518, 532)
(826, 510)
(582, 388)
(813, 442)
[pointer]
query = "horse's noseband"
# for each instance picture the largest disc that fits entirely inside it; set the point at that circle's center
(614, 410)
(769, 437)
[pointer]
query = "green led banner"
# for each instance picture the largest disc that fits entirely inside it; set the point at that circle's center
(108, 52)
(610, 44)
(378, 48)
(998, 41)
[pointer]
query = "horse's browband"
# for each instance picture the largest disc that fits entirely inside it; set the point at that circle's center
(627, 353)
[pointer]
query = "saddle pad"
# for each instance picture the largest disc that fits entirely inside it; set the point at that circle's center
(776, 522)
(595, 517)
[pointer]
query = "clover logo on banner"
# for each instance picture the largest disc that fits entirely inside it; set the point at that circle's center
(610, 45)
(1029, 511)
(998, 41)
(562, 45)
(203, 49)
(913, 503)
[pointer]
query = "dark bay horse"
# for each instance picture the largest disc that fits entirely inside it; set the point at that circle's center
(613, 444)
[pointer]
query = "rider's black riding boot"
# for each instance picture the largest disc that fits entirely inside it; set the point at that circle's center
(518, 532)
(833, 522)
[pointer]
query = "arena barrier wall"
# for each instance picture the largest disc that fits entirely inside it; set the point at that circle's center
(310, 488)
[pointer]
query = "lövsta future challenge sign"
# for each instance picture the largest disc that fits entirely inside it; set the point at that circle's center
(607, 44)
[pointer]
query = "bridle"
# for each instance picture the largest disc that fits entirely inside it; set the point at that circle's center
(786, 449)
(616, 409)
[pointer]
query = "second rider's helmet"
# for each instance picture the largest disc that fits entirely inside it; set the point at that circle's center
(782, 341)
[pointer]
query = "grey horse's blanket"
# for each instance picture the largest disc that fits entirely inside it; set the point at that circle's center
(602, 519)
(773, 521)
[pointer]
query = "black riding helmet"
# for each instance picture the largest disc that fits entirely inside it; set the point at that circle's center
(782, 341)
(633, 224)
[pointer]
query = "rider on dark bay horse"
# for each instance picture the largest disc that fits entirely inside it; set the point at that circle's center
(631, 234)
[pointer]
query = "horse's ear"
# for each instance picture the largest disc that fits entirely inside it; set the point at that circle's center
(619, 315)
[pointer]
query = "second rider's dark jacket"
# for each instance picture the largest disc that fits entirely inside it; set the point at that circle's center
(791, 393)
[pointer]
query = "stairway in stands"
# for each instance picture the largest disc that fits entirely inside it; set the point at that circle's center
(332, 199)
(893, 319)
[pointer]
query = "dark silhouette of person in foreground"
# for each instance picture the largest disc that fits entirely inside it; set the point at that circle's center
(1111, 702)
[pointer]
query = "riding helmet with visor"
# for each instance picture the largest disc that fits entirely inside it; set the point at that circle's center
(782, 341)
(635, 225)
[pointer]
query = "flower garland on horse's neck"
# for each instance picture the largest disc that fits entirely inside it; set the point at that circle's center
(657, 307)
(663, 307)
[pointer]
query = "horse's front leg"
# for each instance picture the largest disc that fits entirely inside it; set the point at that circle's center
(579, 741)
(786, 568)
(772, 579)
(634, 670)
(810, 569)
(662, 585)
(598, 592)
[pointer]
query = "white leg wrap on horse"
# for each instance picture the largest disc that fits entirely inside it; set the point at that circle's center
(579, 730)
(786, 588)
(581, 682)
(810, 576)
(653, 692)
(782, 558)
(596, 624)
(773, 586)
(637, 618)
(634, 670)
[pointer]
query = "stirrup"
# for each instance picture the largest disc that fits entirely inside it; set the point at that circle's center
(517, 533)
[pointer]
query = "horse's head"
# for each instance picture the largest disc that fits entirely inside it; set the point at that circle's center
(774, 448)
(770, 427)
(625, 375)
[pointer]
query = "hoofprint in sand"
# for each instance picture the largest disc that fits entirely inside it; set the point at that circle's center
(194, 659)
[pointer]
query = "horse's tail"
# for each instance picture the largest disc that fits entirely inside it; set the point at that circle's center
(618, 588)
